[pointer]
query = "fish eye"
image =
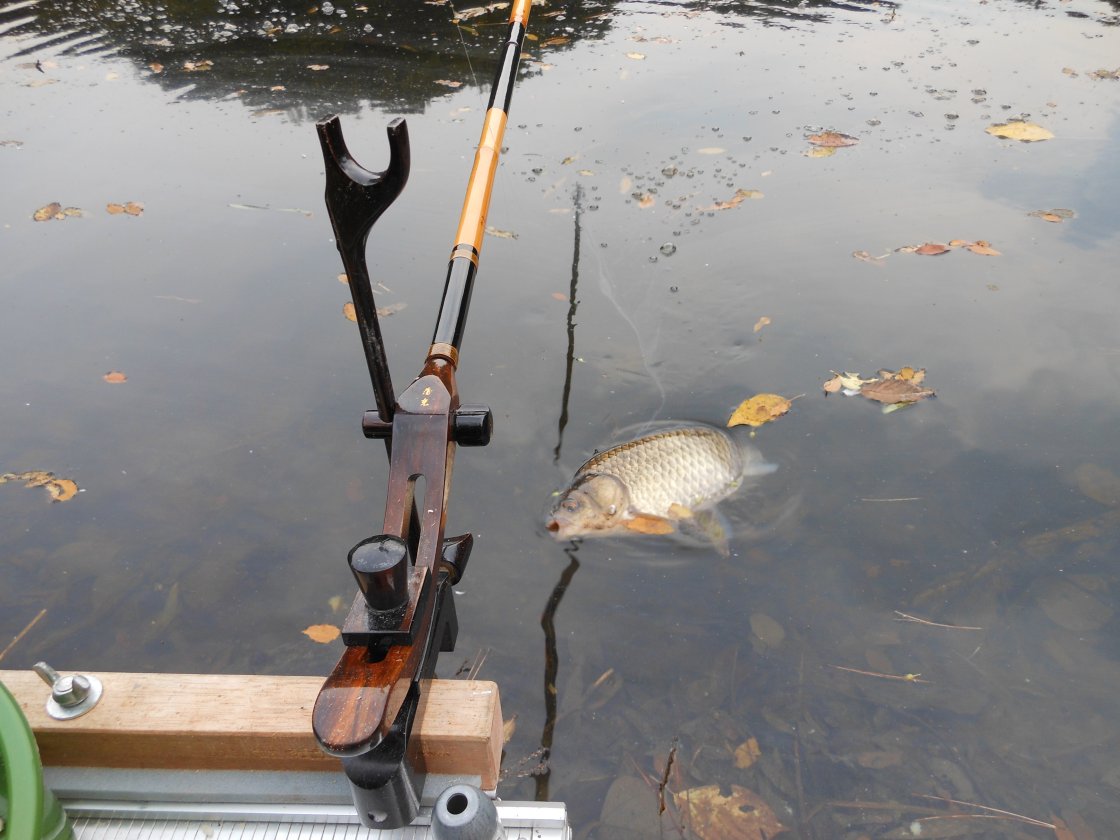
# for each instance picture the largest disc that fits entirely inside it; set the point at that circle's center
(570, 505)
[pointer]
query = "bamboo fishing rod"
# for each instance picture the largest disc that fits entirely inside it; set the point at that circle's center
(404, 613)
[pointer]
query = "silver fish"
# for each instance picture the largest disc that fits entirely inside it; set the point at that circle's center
(655, 484)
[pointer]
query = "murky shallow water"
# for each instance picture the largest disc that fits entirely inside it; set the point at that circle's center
(224, 482)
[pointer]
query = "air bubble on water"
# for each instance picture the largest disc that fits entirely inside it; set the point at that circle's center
(668, 249)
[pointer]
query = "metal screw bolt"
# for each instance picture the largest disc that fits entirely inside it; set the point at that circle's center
(71, 696)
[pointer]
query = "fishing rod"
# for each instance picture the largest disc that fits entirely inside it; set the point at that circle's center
(404, 613)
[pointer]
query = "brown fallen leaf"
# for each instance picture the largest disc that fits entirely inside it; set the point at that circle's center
(59, 489)
(198, 66)
(931, 249)
(832, 139)
(555, 42)
(1057, 215)
(739, 815)
(115, 377)
(984, 248)
(760, 323)
(390, 309)
(737, 199)
(646, 200)
(895, 391)
(132, 208)
(759, 409)
(55, 211)
(1025, 132)
(508, 728)
(322, 633)
(156, 67)
(318, 67)
(449, 83)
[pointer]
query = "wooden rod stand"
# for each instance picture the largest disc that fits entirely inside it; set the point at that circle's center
(217, 722)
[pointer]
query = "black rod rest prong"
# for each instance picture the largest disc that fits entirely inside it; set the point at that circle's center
(356, 197)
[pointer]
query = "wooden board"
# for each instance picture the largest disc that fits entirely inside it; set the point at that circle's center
(216, 722)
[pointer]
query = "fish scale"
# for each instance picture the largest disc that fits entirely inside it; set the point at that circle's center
(691, 466)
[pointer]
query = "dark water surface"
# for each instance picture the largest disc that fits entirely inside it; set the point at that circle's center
(224, 482)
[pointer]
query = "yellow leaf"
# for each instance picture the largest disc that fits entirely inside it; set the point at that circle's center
(759, 409)
(508, 728)
(62, 489)
(115, 377)
(637, 56)
(45, 214)
(820, 152)
(983, 248)
(740, 815)
(336, 603)
(710, 150)
(760, 323)
(114, 209)
(747, 753)
(832, 139)
(349, 312)
(322, 633)
(1025, 131)
(646, 200)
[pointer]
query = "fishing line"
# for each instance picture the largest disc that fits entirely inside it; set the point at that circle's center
(645, 349)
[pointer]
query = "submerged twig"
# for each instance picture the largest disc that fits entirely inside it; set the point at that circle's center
(665, 779)
(905, 617)
(23, 632)
(914, 678)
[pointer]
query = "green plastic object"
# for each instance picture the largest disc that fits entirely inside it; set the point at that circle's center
(27, 810)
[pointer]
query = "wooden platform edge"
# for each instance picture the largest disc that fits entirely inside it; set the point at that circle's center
(222, 722)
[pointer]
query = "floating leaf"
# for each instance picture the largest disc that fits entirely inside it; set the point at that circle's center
(59, 489)
(760, 323)
(198, 66)
(336, 603)
(747, 753)
(895, 391)
(849, 382)
(132, 208)
(646, 200)
(156, 67)
(984, 248)
(739, 197)
(819, 152)
(1017, 130)
(508, 728)
(500, 234)
(349, 312)
(55, 211)
(740, 815)
(555, 42)
(115, 377)
(636, 56)
(322, 633)
(711, 150)
(867, 258)
(391, 309)
(451, 83)
(931, 249)
(832, 139)
(759, 409)
(1057, 215)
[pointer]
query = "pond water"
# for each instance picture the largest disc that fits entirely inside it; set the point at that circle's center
(222, 484)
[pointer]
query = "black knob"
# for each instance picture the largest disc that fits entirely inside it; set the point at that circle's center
(472, 425)
(380, 565)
